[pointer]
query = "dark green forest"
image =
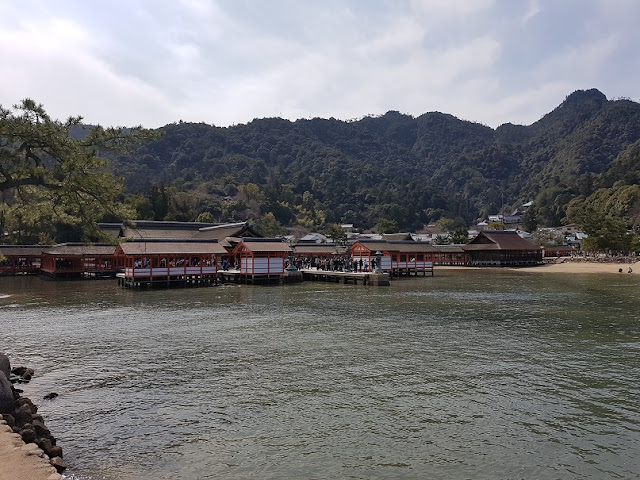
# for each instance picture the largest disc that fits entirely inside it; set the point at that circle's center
(580, 163)
(392, 170)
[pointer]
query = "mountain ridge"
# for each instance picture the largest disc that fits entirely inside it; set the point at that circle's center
(396, 167)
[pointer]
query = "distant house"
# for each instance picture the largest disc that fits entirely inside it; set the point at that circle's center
(366, 250)
(431, 229)
(411, 257)
(110, 231)
(161, 230)
(354, 237)
(525, 235)
(559, 251)
(576, 240)
(396, 237)
(570, 229)
(261, 258)
(21, 259)
(79, 259)
(155, 230)
(400, 257)
(315, 237)
(170, 261)
(502, 248)
(450, 255)
(309, 251)
(227, 234)
(421, 237)
(396, 257)
(428, 233)
(511, 221)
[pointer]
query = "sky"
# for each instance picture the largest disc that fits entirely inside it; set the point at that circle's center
(227, 62)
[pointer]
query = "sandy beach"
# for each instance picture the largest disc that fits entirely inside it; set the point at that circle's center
(584, 267)
(565, 267)
(20, 461)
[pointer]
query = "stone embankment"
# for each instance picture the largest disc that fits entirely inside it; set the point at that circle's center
(28, 451)
(600, 259)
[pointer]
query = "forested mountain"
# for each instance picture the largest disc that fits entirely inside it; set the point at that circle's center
(391, 168)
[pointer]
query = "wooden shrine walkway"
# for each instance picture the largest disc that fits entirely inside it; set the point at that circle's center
(362, 278)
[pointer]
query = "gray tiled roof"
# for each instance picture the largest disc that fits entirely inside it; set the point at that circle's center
(172, 248)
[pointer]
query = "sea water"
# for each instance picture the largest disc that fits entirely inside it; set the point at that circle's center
(479, 374)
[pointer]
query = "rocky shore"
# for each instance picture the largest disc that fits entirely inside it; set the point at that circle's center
(28, 450)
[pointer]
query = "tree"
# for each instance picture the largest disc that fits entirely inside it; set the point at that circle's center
(268, 226)
(547, 238)
(613, 236)
(250, 192)
(141, 205)
(459, 236)
(205, 217)
(530, 221)
(387, 226)
(52, 172)
(620, 201)
(337, 233)
(606, 233)
(441, 240)
(449, 224)
(159, 200)
(634, 245)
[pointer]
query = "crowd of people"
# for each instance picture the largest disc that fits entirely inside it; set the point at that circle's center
(181, 262)
(334, 264)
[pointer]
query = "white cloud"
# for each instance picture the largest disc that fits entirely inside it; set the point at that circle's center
(404, 34)
(52, 63)
(533, 10)
(529, 105)
(583, 62)
(457, 7)
(200, 8)
(492, 61)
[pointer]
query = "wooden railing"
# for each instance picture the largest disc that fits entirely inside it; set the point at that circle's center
(150, 272)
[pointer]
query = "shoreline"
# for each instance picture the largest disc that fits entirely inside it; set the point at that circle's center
(569, 267)
(584, 267)
(28, 451)
(23, 461)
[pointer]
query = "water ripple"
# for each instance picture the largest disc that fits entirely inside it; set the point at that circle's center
(499, 375)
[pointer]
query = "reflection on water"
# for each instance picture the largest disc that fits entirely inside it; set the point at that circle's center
(470, 374)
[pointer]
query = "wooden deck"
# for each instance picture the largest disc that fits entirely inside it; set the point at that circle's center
(407, 269)
(362, 278)
(187, 280)
(235, 276)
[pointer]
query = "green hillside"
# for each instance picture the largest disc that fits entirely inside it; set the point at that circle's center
(394, 167)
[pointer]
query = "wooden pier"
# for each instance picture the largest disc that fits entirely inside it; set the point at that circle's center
(236, 276)
(355, 278)
(407, 270)
(167, 281)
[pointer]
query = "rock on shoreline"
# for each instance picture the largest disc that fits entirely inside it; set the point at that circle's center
(20, 414)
